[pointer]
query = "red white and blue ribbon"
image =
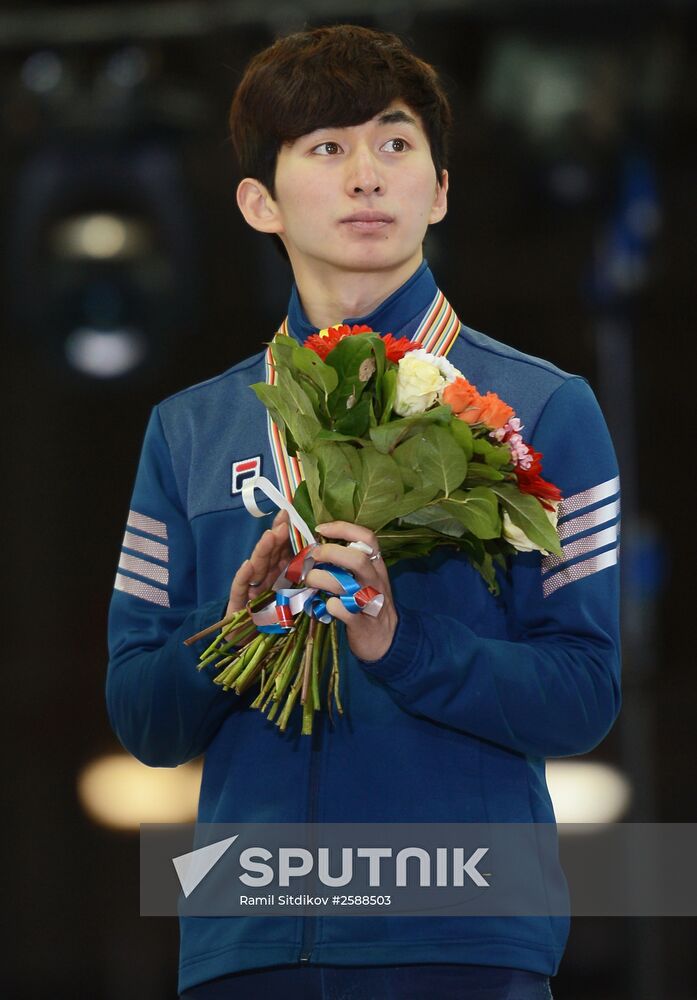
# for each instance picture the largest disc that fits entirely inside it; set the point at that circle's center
(291, 597)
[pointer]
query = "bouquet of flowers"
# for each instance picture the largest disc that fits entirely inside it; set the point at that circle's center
(399, 441)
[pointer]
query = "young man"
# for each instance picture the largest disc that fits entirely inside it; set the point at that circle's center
(453, 699)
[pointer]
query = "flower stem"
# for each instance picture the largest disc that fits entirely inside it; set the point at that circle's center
(307, 661)
(292, 697)
(318, 662)
(333, 630)
(239, 663)
(247, 676)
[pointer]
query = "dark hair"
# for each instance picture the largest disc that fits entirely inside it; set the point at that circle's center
(333, 76)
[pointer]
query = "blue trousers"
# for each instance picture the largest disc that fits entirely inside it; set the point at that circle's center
(377, 982)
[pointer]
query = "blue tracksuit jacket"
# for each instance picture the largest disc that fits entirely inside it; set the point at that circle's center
(453, 724)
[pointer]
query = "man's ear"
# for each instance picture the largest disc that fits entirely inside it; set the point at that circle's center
(258, 207)
(440, 202)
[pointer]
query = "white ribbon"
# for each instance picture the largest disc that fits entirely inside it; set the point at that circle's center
(268, 616)
(269, 490)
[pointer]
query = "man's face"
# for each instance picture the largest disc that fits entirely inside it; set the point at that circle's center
(358, 198)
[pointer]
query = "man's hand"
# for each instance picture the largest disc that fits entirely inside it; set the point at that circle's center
(271, 555)
(369, 638)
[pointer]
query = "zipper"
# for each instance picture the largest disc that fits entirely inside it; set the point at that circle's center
(310, 923)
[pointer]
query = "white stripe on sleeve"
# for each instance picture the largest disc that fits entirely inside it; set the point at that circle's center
(142, 590)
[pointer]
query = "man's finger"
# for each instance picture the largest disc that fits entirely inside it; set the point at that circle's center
(280, 518)
(239, 590)
(353, 560)
(253, 570)
(337, 610)
(321, 579)
(350, 532)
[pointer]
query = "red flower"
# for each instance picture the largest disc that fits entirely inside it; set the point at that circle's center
(326, 340)
(395, 349)
(530, 481)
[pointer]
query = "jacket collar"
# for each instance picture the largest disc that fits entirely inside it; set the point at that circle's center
(399, 314)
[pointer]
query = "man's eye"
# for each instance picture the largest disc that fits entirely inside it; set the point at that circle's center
(396, 145)
(327, 148)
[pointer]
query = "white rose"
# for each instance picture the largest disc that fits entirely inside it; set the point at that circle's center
(448, 371)
(517, 537)
(418, 383)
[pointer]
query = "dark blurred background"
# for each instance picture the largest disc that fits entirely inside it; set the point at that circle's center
(128, 274)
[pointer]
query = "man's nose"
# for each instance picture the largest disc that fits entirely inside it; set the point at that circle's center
(364, 176)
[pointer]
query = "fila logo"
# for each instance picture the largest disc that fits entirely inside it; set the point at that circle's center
(246, 468)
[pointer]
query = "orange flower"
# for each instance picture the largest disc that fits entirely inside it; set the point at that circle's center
(494, 412)
(470, 406)
(461, 395)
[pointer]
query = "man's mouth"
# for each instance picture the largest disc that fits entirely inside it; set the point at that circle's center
(367, 221)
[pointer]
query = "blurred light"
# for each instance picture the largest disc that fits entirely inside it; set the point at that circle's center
(541, 87)
(587, 792)
(42, 72)
(120, 792)
(128, 67)
(105, 353)
(100, 235)
(102, 261)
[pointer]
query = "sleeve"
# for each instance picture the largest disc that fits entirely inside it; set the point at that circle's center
(163, 710)
(552, 688)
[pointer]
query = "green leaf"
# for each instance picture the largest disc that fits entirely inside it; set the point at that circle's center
(379, 489)
(334, 436)
(415, 499)
(310, 464)
(339, 469)
(477, 510)
(527, 513)
(388, 391)
(487, 571)
(480, 472)
(303, 395)
(310, 364)
(435, 457)
(493, 454)
(500, 560)
(436, 518)
(356, 421)
(282, 350)
(460, 430)
(291, 444)
(270, 397)
(303, 505)
(407, 543)
(388, 436)
(290, 406)
(346, 359)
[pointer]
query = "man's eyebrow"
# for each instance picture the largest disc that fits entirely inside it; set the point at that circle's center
(396, 118)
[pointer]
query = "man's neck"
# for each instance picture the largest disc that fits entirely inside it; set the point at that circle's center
(332, 296)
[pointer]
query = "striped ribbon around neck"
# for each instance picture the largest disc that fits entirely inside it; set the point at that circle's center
(436, 334)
